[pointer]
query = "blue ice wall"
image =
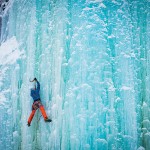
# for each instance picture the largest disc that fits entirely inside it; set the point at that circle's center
(92, 58)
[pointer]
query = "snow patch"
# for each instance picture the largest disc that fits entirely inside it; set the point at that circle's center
(141, 148)
(15, 134)
(3, 98)
(102, 5)
(111, 36)
(89, 26)
(111, 88)
(144, 104)
(87, 9)
(147, 134)
(125, 88)
(94, 1)
(9, 52)
(101, 141)
(117, 99)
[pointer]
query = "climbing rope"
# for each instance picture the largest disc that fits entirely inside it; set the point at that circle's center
(39, 118)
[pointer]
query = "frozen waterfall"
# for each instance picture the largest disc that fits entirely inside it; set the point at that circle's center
(92, 59)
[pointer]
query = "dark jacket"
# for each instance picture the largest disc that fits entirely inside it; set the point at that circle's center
(35, 92)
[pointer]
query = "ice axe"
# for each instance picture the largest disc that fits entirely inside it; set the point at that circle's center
(33, 80)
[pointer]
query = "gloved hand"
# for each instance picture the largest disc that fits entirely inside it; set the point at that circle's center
(35, 79)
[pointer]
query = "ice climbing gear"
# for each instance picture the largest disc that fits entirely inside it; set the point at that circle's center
(48, 120)
(33, 80)
(35, 106)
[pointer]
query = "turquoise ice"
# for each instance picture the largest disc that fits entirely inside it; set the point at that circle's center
(92, 58)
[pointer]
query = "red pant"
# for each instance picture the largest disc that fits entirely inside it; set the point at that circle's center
(35, 106)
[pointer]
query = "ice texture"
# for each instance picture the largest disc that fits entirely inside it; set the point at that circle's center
(92, 59)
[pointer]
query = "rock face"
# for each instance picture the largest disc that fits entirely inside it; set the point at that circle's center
(92, 59)
(3, 5)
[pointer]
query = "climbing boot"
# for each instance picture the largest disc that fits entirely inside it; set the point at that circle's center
(28, 124)
(48, 120)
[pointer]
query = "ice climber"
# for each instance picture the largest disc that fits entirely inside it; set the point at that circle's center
(37, 102)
